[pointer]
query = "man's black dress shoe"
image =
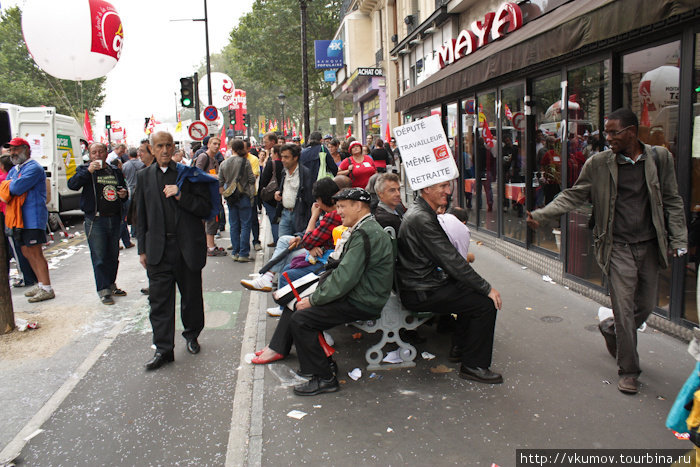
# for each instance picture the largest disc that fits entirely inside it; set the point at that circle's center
(455, 355)
(482, 375)
(317, 385)
(331, 362)
(193, 346)
(159, 359)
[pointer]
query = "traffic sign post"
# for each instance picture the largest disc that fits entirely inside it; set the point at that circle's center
(198, 130)
(210, 113)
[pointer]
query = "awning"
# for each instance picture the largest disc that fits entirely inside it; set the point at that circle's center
(568, 28)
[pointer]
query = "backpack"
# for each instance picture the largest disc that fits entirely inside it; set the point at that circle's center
(322, 170)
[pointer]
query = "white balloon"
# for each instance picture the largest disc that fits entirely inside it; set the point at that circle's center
(73, 39)
(660, 87)
(222, 90)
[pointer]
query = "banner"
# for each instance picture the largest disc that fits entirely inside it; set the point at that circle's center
(425, 153)
(328, 54)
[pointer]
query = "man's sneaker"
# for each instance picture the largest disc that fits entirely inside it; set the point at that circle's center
(257, 246)
(244, 259)
(234, 257)
(33, 291)
(42, 295)
(261, 284)
(216, 252)
(274, 311)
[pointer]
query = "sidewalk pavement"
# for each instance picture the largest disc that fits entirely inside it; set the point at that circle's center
(560, 390)
(211, 409)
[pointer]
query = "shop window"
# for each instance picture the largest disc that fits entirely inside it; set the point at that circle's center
(650, 88)
(690, 310)
(469, 119)
(546, 163)
(512, 158)
(588, 102)
(486, 163)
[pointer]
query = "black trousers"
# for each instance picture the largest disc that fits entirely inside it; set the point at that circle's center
(476, 318)
(305, 326)
(162, 279)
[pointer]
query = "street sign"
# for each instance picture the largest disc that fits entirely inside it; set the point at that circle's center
(198, 130)
(210, 113)
(519, 121)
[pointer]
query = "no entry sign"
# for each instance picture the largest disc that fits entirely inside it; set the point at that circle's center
(198, 130)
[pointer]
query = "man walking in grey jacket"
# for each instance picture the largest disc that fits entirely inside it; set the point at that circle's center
(638, 214)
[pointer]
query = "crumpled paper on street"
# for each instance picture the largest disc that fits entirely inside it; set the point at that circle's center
(355, 374)
(393, 357)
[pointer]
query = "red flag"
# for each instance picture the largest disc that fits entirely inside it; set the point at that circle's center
(387, 135)
(87, 129)
(222, 138)
(349, 132)
(488, 136)
(509, 114)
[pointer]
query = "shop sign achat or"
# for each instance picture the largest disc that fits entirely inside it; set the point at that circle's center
(425, 152)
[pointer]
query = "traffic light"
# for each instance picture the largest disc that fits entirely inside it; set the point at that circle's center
(187, 92)
(246, 120)
(108, 122)
(232, 116)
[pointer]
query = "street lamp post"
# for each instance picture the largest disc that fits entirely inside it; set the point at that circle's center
(304, 69)
(282, 99)
(206, 43)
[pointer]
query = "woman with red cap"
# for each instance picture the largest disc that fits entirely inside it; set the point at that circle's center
(358, 166)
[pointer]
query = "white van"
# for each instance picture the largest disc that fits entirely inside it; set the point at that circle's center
(55, 143)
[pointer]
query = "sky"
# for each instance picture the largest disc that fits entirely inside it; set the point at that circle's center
(156, 53)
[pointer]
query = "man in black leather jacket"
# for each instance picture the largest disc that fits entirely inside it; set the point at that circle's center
(433, 276)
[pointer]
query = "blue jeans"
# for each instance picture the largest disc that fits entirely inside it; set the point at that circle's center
(103, 239)
(271, 212)
(239, 214)
(286, 223)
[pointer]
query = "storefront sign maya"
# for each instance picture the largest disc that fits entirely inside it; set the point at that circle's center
(506, 19)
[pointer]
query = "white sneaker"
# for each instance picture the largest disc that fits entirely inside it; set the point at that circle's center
(262, 284)
(329, 338)
(274, 311)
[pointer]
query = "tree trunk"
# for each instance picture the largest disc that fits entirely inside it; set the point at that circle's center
(7, 314)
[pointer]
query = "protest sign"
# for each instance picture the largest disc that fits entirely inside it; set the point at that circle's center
(425, 153)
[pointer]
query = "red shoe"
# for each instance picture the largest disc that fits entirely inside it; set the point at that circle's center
(260, 361)
(259, 352)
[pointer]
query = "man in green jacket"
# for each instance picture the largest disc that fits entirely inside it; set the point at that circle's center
(356, 290)
(638, 215)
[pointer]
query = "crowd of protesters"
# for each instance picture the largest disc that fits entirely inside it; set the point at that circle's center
(334, 209)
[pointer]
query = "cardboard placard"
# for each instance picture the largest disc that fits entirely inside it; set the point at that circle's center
(425, 153)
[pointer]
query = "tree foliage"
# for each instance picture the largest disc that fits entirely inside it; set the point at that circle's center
(22, 82)
(264, 57)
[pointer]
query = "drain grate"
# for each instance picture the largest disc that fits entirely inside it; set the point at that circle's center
(551, 319)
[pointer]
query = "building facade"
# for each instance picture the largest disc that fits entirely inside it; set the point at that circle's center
(523, 90)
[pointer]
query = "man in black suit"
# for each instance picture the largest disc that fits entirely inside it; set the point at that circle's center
(172, 247)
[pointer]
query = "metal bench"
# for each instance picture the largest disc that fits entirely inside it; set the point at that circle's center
(394, 317)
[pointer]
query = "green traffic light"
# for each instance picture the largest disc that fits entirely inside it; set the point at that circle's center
(186, 101)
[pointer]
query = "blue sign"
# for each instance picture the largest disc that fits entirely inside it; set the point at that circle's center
(329, 54)
(329, 76)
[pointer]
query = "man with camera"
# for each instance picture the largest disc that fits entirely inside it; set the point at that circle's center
(104, 192)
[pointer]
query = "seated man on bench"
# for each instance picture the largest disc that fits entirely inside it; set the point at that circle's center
(433, 276)
(356, 289)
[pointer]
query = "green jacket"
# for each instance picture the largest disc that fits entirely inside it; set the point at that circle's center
(598, 182)
(366, 287)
